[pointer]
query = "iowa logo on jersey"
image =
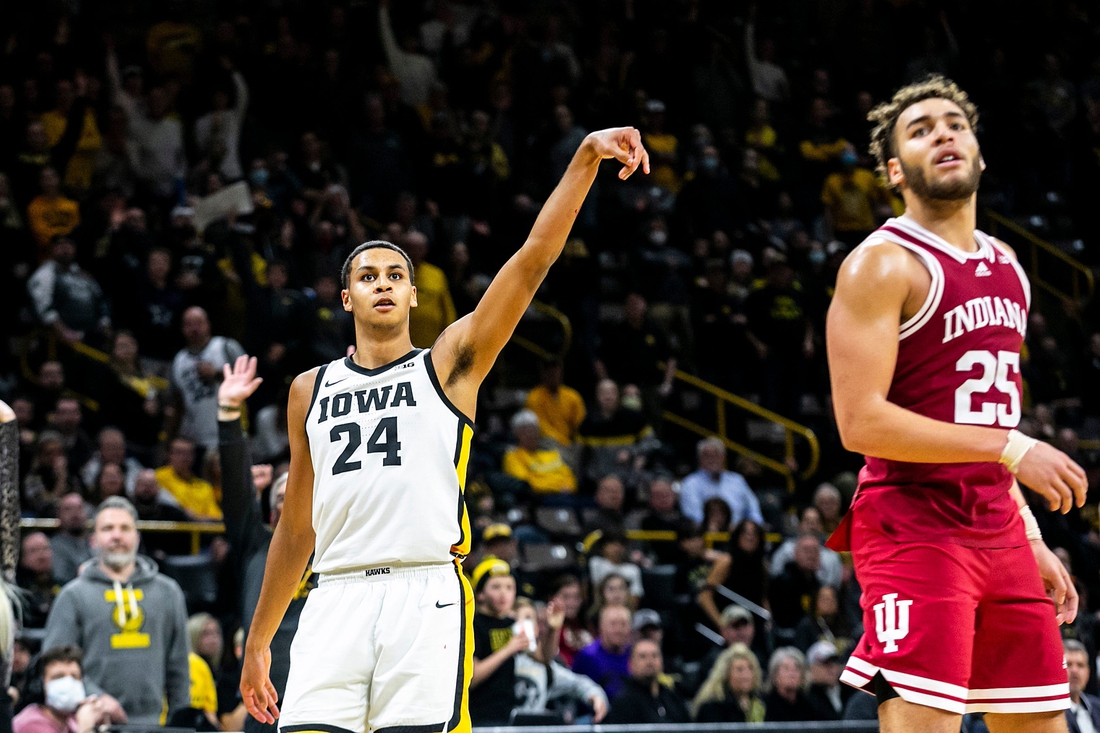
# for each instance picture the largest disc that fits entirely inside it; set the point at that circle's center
(377, 398)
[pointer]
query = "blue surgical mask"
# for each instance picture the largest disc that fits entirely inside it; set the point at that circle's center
(849, 157)
(817, 257)
(710, 164)
(259, 177)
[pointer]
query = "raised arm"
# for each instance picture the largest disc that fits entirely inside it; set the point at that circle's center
(875, 285)
(239, 508)
(466, 351)
(291, 546)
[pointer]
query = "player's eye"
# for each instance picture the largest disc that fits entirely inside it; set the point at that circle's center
(920, 132)
(957, 126)
(368, 277)
(395, 275)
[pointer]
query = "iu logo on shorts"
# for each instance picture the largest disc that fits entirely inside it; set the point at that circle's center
(891, 621)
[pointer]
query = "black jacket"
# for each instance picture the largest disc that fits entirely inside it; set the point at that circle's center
(1092, 704)
(636, 704)
(783, 710)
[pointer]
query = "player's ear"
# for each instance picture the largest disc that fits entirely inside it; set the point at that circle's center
(345, 298)
(894, 172)
(412, 302)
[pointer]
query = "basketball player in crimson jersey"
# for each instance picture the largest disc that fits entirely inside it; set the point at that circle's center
(924, 337)
(379, 446)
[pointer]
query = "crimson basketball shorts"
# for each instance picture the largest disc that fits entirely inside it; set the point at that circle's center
(957, 628)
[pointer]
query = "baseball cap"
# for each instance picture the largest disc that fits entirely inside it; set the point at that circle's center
(646, 617)
(496, 531)
(491, 568)
(734, 613)
(822, 652)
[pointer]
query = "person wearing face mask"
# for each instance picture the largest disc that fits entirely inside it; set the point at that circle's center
(66, 706)
(130, 620)
(854, 198)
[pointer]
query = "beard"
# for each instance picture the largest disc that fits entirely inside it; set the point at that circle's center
(118, 560)
(953, 190)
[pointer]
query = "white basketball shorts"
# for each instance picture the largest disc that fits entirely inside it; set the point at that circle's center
(386, 649)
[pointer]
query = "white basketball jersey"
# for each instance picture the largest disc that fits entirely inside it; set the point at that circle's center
(389, 457)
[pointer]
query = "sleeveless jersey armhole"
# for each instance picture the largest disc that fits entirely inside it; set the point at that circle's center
(935, 290)
(316, 388)
(430, 368)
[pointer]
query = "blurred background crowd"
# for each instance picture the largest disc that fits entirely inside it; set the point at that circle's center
(181, 181)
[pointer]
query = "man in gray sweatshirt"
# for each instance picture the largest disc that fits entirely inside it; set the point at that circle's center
(130, 620)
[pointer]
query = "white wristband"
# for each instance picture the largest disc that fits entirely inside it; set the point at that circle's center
(1031, 527)
(1015, 449)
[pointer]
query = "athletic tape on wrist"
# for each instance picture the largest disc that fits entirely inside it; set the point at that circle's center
(1031, 527)
(1015, 449)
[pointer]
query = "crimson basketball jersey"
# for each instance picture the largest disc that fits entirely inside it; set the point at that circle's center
(959, 362)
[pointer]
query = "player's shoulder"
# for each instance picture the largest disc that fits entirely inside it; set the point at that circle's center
(1003, 246)
(303, 390)
(878, 257)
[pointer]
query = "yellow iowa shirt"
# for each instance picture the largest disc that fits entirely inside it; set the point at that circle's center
(196, 496)
(560, 415)
(204, 694)
(851, 199)
(543, 470)
(434, 309)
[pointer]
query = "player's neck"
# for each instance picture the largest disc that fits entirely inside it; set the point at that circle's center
(952, 221)
(378, 348)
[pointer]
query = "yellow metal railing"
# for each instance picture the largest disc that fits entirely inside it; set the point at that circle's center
(195, 529)
(723, 398)
(1081, 285)
(51, 345)
(711, 538)
(567, 333)
(791, 429)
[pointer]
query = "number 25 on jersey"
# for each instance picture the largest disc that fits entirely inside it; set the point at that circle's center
(995, 375)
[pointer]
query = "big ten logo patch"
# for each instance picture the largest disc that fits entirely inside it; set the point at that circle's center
(499, 638)
(129, 617)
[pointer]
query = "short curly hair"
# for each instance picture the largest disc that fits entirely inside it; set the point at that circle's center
(885, 116)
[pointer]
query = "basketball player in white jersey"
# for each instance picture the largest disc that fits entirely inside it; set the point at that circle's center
(379, 443)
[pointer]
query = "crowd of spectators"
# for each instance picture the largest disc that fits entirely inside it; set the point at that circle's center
(179, 183)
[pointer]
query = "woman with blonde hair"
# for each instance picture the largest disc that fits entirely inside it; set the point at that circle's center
(731, 693)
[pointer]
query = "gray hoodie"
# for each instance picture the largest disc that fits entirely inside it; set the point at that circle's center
(134, 637)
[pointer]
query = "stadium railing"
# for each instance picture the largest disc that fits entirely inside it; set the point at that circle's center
(195, 529)
(1047, 266)
(723, 402)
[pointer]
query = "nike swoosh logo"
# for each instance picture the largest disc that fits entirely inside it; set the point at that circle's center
(437, 605)
(329, 384)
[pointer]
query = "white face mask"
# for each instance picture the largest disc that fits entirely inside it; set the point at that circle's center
(65, 694)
